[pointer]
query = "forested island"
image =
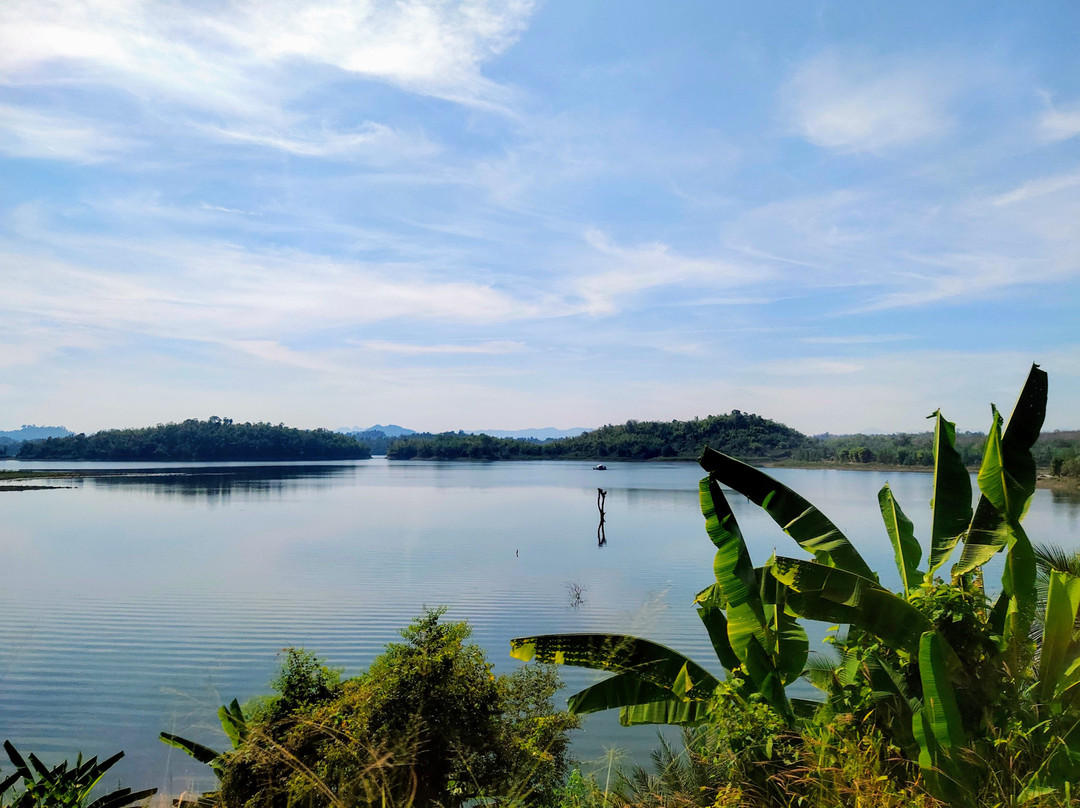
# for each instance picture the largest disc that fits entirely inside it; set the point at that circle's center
(744, 435)
(747, 436)
(194, 440)
(737, 433)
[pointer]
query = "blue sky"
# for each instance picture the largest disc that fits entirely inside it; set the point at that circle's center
(511, 214)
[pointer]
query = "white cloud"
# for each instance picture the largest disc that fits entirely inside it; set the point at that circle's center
(810, 366)
(53, 136)
(857, 339)
(1059, 123)
(650, 266)
(214, 51)
(242, 70)
(490, 347)
(194, 291)
(372, 141)
(850, 105)
(1039, 187)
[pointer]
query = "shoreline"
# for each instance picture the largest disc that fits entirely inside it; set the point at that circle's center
(1044, 481)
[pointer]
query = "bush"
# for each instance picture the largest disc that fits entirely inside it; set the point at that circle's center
(429, 723)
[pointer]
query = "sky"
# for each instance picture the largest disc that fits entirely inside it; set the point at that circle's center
(482, 214)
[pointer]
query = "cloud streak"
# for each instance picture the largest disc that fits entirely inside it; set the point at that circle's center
(852, 105)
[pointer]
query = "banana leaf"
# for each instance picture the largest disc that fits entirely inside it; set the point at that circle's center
(951, 505)
(201, 753)
(833, 595)
(652, 662)
(233, 723)
(621, 690)
(902, 536)
(814, 532)
(672, 711)
(1062, 604)
(938, 728)
(788, 644)
(715, 622)
(1007, 476)
(768, 659)
(732, 565)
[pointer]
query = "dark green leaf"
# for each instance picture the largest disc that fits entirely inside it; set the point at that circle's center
(951, 505)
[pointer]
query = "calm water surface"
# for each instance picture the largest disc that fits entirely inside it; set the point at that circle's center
(140, 602)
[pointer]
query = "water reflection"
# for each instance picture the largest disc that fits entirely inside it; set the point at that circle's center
(220, 483)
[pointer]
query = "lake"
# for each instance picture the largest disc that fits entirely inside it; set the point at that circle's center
(136, 603)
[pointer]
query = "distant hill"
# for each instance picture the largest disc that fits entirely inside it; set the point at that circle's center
(32, 432)
(390, 430)
(743, 435)
(213, 439)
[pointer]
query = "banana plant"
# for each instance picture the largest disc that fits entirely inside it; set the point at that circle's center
(235, 726)
(752, 612)
(64, 785)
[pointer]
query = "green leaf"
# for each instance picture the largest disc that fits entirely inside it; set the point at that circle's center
(201, 753)
(1062, 604)
(732, 565)
(233, 723)
(619, 653)
(1007, 476)
(673, 711)
(789, 645)
(757, 648)
(621, 690)
(951, 505)
(837, 596)
(902, 536)
(938, 728)
(814, 532)
(716, 625)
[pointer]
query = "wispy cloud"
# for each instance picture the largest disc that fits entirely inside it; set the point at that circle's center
(857, 339)
(242, 71)
(643, 267)
(58, 136)
(488, 348)
(1040, 187)
(810, 366)
(1059, 123)
(851, 104)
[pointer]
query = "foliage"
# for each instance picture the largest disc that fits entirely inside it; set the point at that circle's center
(980, 701)
(428, 723)
(192, 440)
(744, 434)
(63, 785)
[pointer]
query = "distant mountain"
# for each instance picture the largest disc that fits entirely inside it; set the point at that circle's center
(32, 432)
(390, 430)
(544, 433)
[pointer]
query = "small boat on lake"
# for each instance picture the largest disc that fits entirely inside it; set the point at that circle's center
(599, 467)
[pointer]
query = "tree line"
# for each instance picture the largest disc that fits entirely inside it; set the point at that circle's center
(194, 440)
(739, 433)
(743, 435)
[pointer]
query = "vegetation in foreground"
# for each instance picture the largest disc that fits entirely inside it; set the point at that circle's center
(937, 693)
(429, 723)
(192, 440)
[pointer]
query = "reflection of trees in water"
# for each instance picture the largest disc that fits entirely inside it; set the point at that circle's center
(1069, 500)
(219, 483)
(659, 497)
